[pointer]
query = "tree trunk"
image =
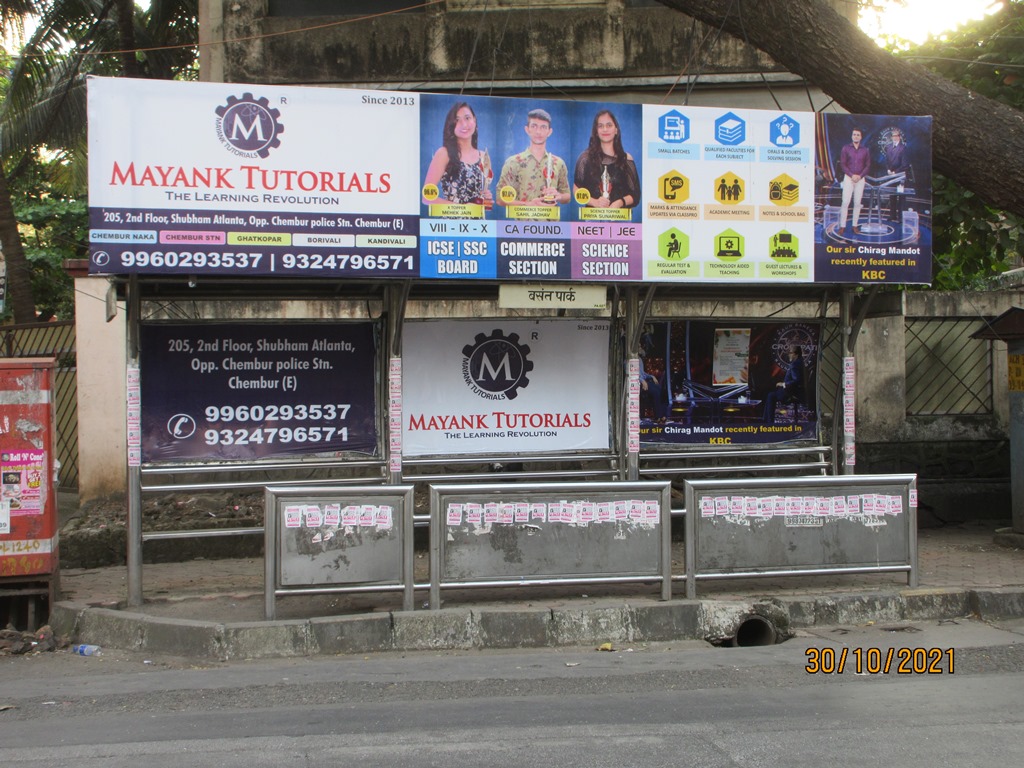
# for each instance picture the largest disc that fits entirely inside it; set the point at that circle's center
(19, 277)
(976, 141)
(126, 34)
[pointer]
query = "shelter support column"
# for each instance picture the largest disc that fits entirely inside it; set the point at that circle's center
(397, 297)
(628, 458)
(844, 419)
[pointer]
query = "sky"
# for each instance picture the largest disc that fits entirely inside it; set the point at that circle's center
(915, 20)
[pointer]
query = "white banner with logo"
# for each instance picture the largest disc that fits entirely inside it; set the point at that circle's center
(504, 386)
(165, 150)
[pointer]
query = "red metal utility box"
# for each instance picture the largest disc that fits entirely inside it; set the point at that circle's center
(28, 500)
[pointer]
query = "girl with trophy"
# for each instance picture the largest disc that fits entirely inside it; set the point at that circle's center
(605, 169)
(460, 171)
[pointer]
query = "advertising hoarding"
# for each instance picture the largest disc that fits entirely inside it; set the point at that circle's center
(246, 391)
(503, 386)
(873, 194)
(729, 382)
(292, 181)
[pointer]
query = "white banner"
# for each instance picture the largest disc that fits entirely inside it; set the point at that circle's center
(734, 195)
(15, 547)
(256, 149)
(504, 386)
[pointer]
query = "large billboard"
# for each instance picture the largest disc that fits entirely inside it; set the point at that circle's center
(504, 386)
(229, 179)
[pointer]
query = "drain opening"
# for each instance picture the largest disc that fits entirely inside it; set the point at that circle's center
(754, 630)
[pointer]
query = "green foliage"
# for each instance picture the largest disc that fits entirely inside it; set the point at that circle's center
(973, 241)
(43, 120)
(985, 56)
(54, 226)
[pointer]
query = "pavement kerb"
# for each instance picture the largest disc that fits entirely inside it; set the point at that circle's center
(461, 628)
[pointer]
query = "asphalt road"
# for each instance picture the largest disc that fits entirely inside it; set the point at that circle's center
(684, 704)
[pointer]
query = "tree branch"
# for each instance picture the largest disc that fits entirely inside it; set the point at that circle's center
(976, 141)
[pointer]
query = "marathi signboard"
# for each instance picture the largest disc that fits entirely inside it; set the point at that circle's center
(504, 386)
(289, 181)
(244, 391)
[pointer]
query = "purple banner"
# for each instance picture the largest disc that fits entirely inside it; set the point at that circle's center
(607, 250)
(240, 392)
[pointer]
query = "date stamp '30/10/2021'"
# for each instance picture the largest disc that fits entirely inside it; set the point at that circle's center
(875, 661)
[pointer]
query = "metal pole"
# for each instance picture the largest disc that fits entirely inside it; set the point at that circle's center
(397, 297)
(408, 555)
(848, 345)
(271, 527)
(435, 549)
(912, 576)
(628, 459)
(134, 544)
(690, 543)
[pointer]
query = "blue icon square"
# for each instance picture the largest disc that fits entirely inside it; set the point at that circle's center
(673, 127)
(730, 129)
(784, 131)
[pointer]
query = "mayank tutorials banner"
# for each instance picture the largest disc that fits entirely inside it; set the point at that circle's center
(493, 386)
(291, 181)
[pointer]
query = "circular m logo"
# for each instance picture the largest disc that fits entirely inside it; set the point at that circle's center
(495, 366)
(248, 126)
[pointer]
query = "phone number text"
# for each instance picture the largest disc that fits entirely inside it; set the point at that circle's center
(325, 412)
(272, 435)
(273, 262)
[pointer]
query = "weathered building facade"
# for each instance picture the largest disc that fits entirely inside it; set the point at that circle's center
(623, 50)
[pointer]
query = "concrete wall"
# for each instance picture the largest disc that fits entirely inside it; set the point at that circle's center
(102, 438)
(571, 40)
(962, 461)
(553, 49)
(881, 371)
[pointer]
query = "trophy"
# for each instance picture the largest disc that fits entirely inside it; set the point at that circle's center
(606, 184)
(549, 179)
(487, 172)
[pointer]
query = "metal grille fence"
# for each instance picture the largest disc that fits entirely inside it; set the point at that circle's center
(830, 365)
(54, 340)
(947, 372)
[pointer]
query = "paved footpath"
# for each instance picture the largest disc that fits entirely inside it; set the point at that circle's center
(215, 608)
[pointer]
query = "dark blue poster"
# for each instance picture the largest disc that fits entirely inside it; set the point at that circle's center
(873, 199)
(729, 382)
(247, 391)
